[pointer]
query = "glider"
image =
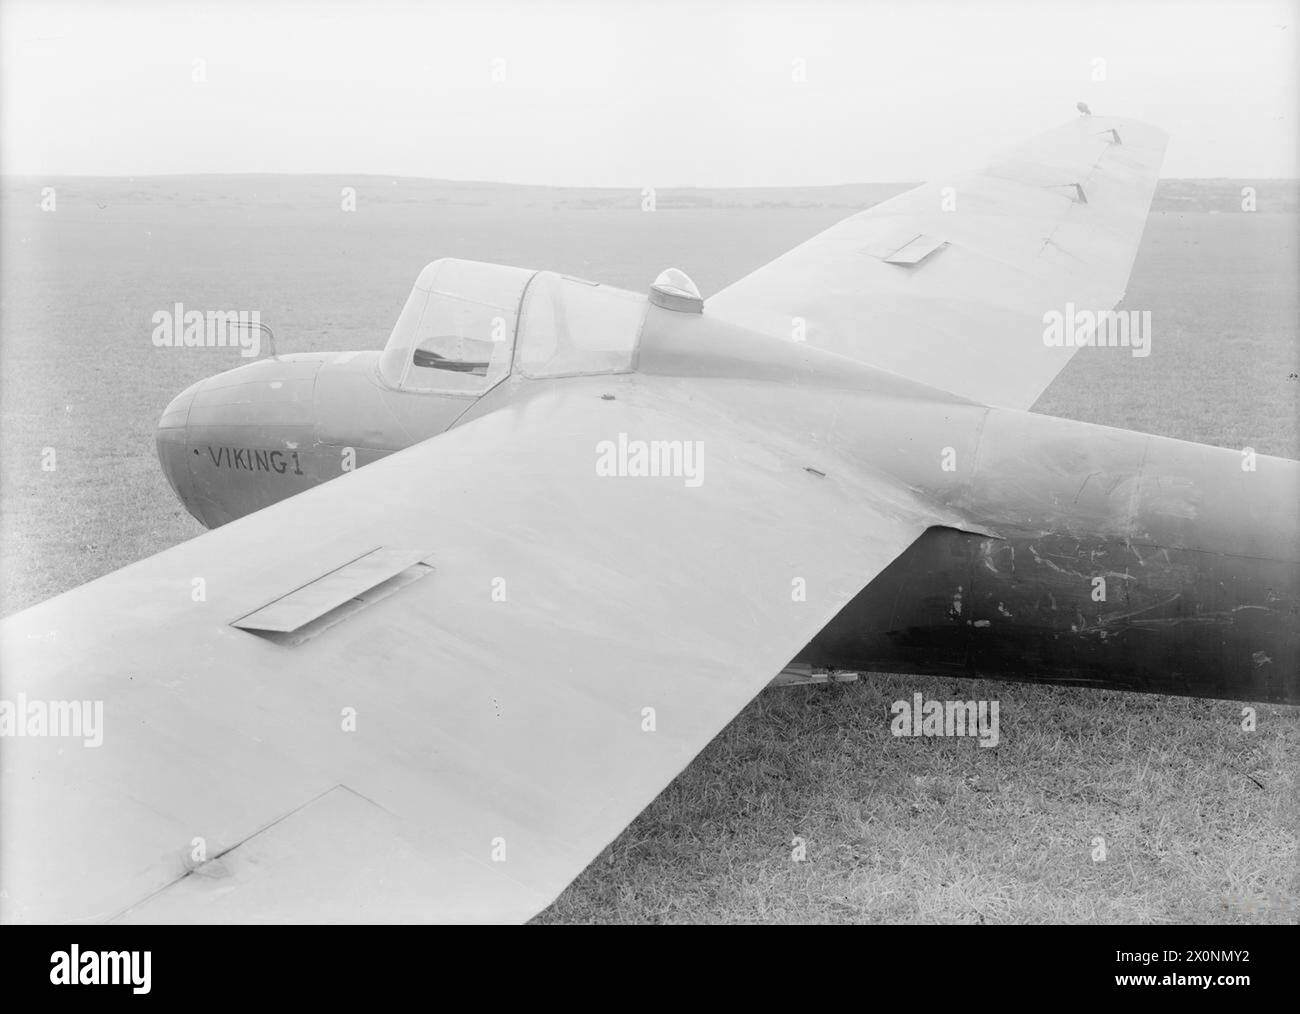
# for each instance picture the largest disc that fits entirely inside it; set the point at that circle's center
(469, 602)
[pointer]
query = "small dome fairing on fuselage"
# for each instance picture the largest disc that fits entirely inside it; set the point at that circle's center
(467, 325)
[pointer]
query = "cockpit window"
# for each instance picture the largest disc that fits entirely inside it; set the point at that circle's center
(456, 334)
(466, 323)
(570, 327)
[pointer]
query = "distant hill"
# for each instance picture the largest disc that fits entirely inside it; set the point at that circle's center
(283, 190)
(1225, 195)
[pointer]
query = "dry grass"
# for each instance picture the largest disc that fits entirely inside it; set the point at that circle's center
(943, 830)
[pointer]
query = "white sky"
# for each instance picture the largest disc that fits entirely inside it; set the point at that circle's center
(632, 92)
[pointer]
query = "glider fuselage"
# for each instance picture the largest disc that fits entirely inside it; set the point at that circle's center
(1075, 553)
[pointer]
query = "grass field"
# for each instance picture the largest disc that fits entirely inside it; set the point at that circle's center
(1199, 819)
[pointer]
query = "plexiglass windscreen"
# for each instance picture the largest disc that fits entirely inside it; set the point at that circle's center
(456, 333)
(569, 327)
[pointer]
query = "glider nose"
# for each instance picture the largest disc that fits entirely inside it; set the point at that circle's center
(244, 439)
(172, 439)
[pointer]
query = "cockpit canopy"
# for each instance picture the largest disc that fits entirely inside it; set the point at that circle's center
(467, 325)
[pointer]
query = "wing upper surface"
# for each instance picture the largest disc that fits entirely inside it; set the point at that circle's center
(949, 283)
(460, 746)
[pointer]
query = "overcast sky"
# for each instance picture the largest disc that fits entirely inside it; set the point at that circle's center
(632, 93)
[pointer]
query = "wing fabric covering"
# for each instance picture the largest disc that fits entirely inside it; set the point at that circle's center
(459, 749)
(949, 283)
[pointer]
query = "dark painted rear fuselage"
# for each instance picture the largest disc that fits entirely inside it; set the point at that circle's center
(1178, 621)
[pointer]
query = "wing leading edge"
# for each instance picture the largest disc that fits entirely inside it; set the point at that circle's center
(456, 747)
